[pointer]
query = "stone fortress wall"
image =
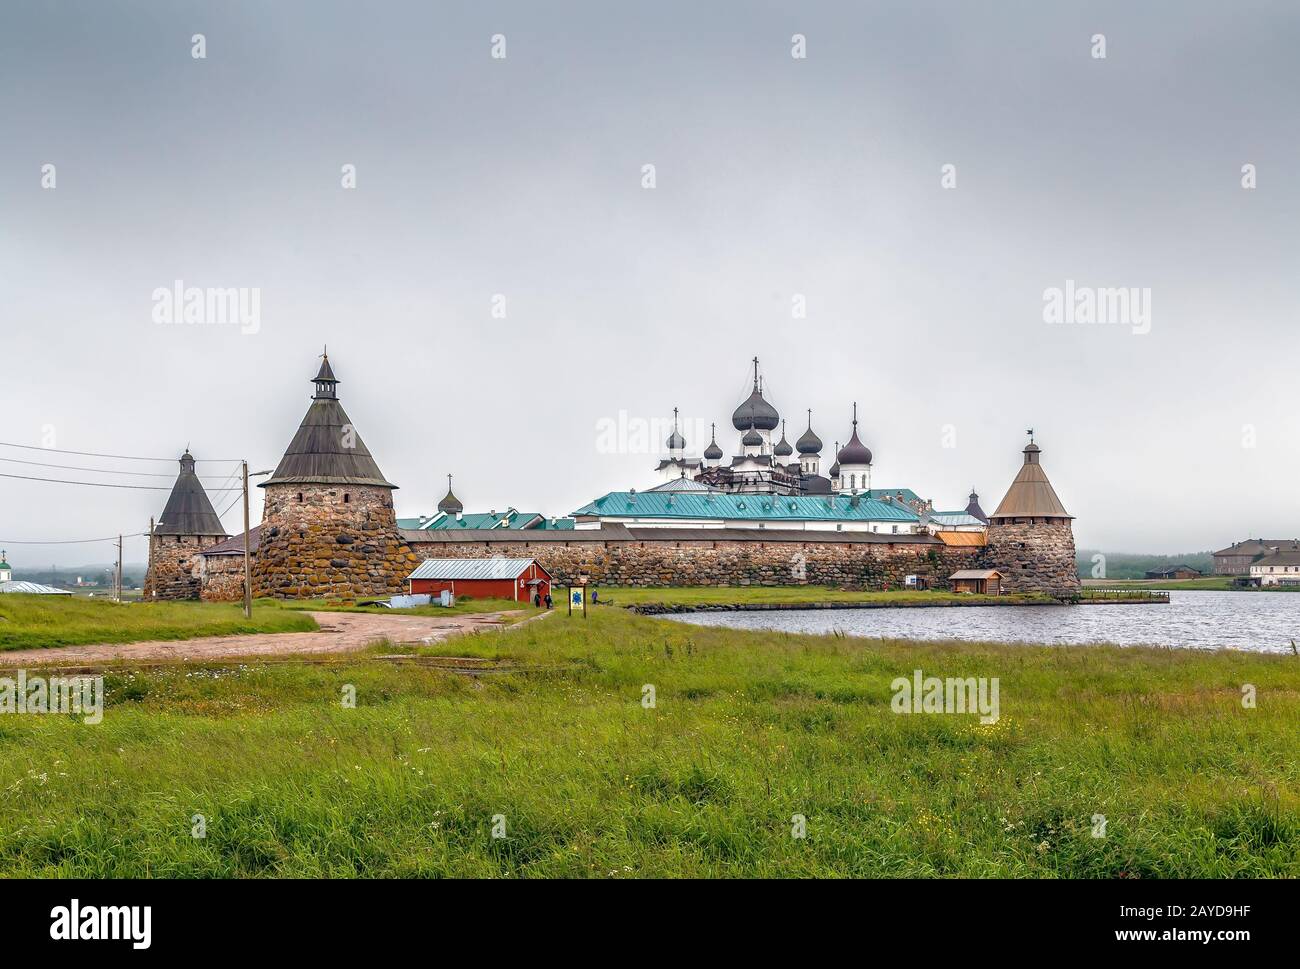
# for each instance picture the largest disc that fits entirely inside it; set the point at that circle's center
(721, 561)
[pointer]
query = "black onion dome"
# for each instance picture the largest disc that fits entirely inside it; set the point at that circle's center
(752, 438)
(755, 412)
(783, 448)
(815, 484)
(809, 443)
(675, 440)
(713, 452)
(855, 452)
(450, 504)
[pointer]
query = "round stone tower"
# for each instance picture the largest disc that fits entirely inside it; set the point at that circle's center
(188, 525)
(328, 526)
(1030, 539)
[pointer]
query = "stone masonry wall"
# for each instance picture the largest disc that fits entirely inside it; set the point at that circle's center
(858, 565)
(1034, 557)
(340, 541)
(221, 578)
(172, 563)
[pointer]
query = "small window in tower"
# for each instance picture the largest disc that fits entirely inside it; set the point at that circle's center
(300, 497)
(347, 498)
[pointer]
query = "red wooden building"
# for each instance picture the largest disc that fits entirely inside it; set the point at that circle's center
(517, 579)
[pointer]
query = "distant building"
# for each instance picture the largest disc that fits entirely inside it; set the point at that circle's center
(9, 585)
(1237, 558)
(1177, 572)
(1280, 568)
(451, 514)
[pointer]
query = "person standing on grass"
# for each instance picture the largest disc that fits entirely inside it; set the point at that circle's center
(549, 600)
(537, 600)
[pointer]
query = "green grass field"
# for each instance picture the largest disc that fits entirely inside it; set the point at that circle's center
(1208, 583)
(790, 595)
(37, 622)
(748, 730)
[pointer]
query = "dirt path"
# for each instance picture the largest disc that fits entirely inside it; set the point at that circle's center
(340, 632)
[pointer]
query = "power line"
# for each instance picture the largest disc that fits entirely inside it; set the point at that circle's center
(233, 503)
(74, 467)
(103, 484)
(123, 457)
(75, 541)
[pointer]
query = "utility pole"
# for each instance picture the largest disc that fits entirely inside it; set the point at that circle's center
(119, 568)
(248, 569)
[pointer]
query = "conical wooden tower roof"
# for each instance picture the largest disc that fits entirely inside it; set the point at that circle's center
(1031, 495)
(188, 510)
(327, 449)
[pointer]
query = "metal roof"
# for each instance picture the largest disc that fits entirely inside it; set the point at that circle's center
(962, 539)
(683, 484)
(953, 518)
(975, 574)
(458, 569)
(1256, 546)
(508, 519)
(235, 545)
(32, 589)
(746, 507)
(1286, 558)
(619, 533)
(897, 494)
(188, 510)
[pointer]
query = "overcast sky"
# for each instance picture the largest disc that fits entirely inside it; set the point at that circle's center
(776, 177)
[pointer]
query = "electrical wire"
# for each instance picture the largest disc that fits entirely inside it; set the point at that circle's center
(75, 467)
(76, 541)
(102, 484)
(123, 457)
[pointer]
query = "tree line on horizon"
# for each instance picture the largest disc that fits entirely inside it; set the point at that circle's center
(1130, 565)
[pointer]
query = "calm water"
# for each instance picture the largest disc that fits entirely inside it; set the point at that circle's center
(1259, 621)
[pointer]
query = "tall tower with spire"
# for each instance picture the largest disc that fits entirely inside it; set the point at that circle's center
(328, 528)
(188, 525)
(1030, 536)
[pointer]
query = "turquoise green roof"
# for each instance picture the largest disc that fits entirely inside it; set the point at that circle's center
(907, 493)
(732, 507)
(509, 519)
